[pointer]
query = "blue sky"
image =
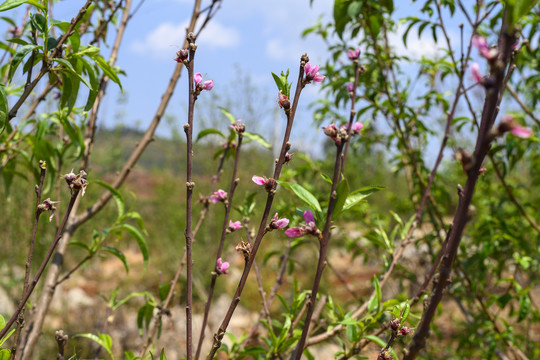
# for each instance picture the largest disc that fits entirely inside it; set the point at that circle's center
(246, 38)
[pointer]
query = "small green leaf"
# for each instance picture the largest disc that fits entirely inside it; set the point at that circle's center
(257, 138)
(326, 178)
(229, 116)
(136, 234)
(302, 193)
(4, 109)
(19, 56)
(102, 340)
(69, 67)
(10, 4)
(118, 198)
(39, 22)
(164, 291)
(120, 255)
(5, 354)
(162, 355)
(377, 340)
(207, 132)
(342, 193)
(107, 69)
(358, 195)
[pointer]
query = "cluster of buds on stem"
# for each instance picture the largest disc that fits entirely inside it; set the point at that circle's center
(312, 74)
(182, 56)
(48, 205)
(309, 228)
(219, 196)
(269, 184)
(245, 249)
(340, 136)
(76, 182)
(238, 127)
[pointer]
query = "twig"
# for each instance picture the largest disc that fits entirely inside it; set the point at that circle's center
(522, 104)
(262, 227)
(224, 231)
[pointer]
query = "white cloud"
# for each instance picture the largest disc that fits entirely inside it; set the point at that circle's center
(417, 46)
(159, 41)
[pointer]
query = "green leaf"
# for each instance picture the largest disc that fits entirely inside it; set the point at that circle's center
(358, 195)
(120, 255)
(375, 301)
(229, 116)
(302, 193)
(107, 69)
(340, 16)
(144, 316)
(69, 67)
(10, 4)
(4, 109)
(19, 56)
(39, 22)
(136, 234)
(342, 193)
(207, 132)
(524, 307)
(164, 291)
(162, 355)
(257, 138)
(5, 354)
(377, 340)
(103, 340)
(117, 196)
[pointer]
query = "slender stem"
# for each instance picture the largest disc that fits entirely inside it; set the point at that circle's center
(323, 252)
(224, 228)
(28, 265)
(262, 227)
(352, 113)
(483, 144)
(32, 285)
(188, 128)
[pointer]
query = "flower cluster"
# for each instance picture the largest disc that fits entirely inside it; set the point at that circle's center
(218, 196)
(48, 205)
(200, 85)
(312, 73)
(182, 56)
(340, 135)
(238, 127)
(309, 228)
(221, 267)
(76, 182)
(269, 184)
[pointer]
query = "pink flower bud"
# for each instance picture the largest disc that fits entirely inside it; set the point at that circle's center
(354, 54)
(312, 73)
(200, 85)
(475, 73)
(221, 267)
(278, 223)
(258, 180)
(308, 217)
(350, 86)
(284, 101)
(508, 123)
(233, 226)
(295, 232)
(218, 196)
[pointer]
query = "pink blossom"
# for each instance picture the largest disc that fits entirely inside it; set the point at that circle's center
(258, 180)
(233, 226)
(358, 126)
(308, 217)
(221, 267)
(354, 54)
(182, 55)
(508, 123)
(308, 228)
(238, 126)
(312, 73)
(295, 232)
(277, 223)
(350, 86)
(200, 85)
(284, 101)
(475, 73)
(480, 43)
(218, 196)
